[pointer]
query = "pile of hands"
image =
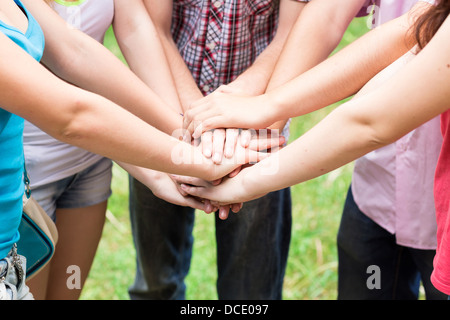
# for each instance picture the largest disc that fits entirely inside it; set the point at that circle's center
(223, 145)
(206, 127)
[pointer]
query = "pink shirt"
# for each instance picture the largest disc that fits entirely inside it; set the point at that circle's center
(441, 273)
(391, 9)
(394, 185)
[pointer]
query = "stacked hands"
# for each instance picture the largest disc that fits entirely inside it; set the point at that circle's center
(204, 124)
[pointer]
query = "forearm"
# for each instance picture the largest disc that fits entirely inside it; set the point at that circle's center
(185, 84)
(364, 124)
(146, 176)
(91, 127)
(88, 120)
(94, 68)
(255, 80)
(302, 51)
(320, 19)
(319, 151)
(79, 59)
(343, 74)
(161, 14)
(142, 49)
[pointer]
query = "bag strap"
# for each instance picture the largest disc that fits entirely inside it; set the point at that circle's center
(26, 180)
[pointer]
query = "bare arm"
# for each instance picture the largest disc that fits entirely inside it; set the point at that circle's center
(79, 59)
(320, 19)
(82, 118)
(255, 79)
(336, 78)
(416, 94)
(161, 14)
(142, 49)
(343, 74)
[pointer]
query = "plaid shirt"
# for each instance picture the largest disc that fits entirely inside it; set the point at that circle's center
(220, 39)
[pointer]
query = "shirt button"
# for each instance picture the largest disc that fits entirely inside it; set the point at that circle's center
(205, 88)
(211, 46)
(217, 4)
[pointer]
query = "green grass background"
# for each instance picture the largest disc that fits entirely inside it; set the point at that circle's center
(312, 266)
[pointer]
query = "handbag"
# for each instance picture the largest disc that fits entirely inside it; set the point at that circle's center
(38, 234)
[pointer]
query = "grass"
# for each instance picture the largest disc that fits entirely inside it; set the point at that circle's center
(312, 265)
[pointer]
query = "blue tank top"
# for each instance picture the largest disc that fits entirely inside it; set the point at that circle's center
(11, 144)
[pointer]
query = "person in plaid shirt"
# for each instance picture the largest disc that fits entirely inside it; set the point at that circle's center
(209, 44)
(352, 68)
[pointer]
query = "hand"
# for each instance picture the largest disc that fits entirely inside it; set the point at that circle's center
(242, 156)
(213, 143)
(163, 187)
(226, 110)
(209, 207)
(222, 142)
(231, 190)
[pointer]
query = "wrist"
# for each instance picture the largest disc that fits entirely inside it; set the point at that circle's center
(247, 87)
(273, 108)
(249, 184)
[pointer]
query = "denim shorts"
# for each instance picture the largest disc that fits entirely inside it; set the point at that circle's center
(84, 189)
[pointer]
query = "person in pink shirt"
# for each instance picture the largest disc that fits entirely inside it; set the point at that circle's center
(392, 185)
(414, 95)
(388, 219)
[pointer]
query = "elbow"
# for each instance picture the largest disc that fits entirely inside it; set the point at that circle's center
(377, 140)
(69, 55)
(74, 127)
(364, 130)
(378, 135)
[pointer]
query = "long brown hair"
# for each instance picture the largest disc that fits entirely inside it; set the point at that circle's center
(430, 22)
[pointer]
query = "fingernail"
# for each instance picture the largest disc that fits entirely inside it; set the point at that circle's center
(207, 153)
(217, 158)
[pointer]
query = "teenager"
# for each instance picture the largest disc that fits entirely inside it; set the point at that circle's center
(413, 96)
(70, 114)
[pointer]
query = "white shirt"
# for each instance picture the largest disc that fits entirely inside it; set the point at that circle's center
(47, 159)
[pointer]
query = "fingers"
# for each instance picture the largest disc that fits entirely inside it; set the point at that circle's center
(195, 203)
(209, 207)
(246, 136)
(193, 181)
(219, 142)
(266, 144)
(218, 145)
(234, 172)
(230, 142)
(236, 207)
(262, 139)
(207, 144)
(207, 125)
(194, 118)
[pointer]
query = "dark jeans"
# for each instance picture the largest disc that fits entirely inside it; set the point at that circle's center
(252, 247)
(363, 243)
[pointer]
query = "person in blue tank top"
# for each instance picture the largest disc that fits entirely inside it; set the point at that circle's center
(101, 106)
(29, 36)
